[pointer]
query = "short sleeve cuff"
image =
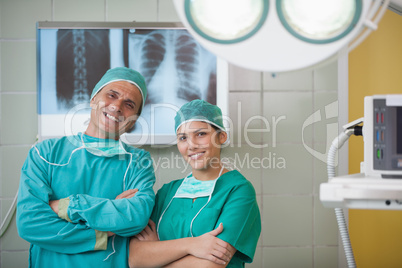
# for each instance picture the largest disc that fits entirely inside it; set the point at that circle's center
(101, 240)
(63, 206)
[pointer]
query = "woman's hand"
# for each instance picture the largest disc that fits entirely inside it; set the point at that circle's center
(149, 233)
(208, 246)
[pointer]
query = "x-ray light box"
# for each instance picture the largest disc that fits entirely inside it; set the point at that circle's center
(73, 56)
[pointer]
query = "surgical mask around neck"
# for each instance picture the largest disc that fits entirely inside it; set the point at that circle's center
(106, 149)
(193, 188)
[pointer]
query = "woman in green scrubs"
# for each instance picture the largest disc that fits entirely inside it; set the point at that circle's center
(211, 217)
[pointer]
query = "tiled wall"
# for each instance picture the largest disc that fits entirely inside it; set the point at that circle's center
(297, 230)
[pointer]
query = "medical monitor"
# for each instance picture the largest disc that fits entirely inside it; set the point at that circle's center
(383, 136)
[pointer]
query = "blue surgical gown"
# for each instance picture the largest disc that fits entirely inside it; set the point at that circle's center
(91, 184)
(233, 203)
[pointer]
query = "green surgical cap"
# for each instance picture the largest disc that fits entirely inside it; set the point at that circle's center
(199, 110)
(122, 74)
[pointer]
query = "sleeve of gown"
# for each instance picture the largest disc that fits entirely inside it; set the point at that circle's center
(241, 221)
(125, 217)
(36, 221)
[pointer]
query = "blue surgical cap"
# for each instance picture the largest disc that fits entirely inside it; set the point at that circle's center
(122, 74)
(199, 110)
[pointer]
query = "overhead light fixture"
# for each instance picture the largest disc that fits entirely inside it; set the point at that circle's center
(279, 35)
(318, 21)
(226, 21)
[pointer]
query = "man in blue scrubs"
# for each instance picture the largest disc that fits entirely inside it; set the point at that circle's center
(81, 197)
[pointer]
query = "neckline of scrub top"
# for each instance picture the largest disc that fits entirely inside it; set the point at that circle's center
(88, 138)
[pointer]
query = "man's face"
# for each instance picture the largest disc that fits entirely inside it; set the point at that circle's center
(114, 110)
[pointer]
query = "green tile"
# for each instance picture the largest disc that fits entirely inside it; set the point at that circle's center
(139, 10)
(78, 10)
(288, 257)
(18, 259)
(11, 240)
(287, 221)
(18, 126)
(12, 158)
(288, 170)
(18, 66)
(18, 18)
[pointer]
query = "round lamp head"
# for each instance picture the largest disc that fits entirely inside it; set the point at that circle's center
(226, 21)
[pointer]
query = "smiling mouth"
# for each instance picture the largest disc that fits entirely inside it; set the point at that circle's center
(196, 155)
(111, 117)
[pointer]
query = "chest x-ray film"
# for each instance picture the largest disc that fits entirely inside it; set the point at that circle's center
(71, 60)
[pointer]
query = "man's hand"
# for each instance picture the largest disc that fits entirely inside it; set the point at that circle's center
(54, 205)
(127, 194)
(208, 246)
(149, 233)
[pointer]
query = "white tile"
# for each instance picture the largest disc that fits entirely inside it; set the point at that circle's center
(287, 169)
(18, 66)
(171, 165)
(326, 77)
(295, 80)
(257, 261)
(246, 121)
(15, 259)
(18, 18)
(288, 113)
(288, 257)
(12, 158)
(241, 79)
(320, 174)
(11, 240)
(20, 126)
(246, 160)
(326, 122)
(78, 10)
(325, 225)
(167, 11)
(326, 257)
(128, 10)
(287, 221)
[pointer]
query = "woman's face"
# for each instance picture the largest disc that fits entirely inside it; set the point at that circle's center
(200, 144)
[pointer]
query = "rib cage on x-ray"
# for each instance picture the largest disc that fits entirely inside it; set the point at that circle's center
(176, 68)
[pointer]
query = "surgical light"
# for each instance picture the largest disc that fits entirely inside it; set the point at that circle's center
(279, 35)
(319, 21)
(226, 21)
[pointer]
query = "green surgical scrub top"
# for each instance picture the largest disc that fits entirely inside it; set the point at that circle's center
(233, 204)
(90, 185)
